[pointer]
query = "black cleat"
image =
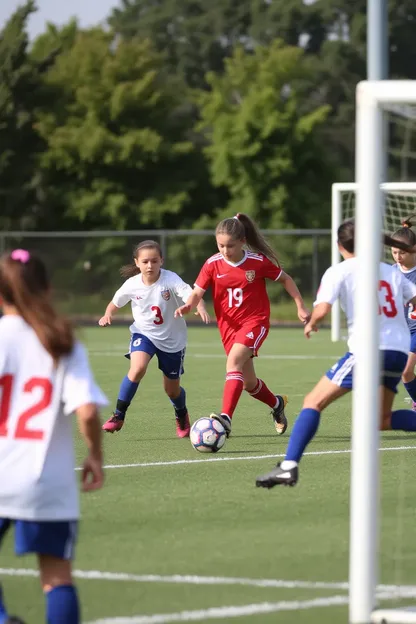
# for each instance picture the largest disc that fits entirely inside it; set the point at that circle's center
(14, 620)
(225, 422)
(278, 476)
(278, 413)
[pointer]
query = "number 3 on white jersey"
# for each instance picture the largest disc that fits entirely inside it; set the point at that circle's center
(235, 297)
(388, 305)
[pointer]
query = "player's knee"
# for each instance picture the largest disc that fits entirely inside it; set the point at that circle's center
(136, 374)
(408, 375)
(311, 401)
(173, 393)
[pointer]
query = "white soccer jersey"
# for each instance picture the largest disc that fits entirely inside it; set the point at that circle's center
(153, 309)
(37, 465)
(394, 290)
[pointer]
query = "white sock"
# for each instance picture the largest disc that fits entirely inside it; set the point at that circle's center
(288, 464)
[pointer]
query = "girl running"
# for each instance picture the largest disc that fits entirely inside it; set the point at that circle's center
(237, 276)
(339, 282)
(44, 378)
(153, 293)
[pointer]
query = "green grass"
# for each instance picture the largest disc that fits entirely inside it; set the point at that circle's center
(207, 518)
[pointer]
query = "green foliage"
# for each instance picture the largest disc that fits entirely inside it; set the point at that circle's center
(260, 147)
(118, 155)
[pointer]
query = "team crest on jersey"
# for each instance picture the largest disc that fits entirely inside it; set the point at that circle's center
(165, 294)
(250, 275)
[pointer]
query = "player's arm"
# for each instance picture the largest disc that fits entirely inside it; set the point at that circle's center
(320, 311)
(291, 288)
(120, 299)
(192, 302)
(90, 428)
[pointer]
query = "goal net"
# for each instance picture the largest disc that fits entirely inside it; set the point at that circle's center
(399, 200)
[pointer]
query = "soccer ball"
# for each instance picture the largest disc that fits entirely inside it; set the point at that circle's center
(207, 435)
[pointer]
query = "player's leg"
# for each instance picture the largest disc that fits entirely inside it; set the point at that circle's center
(238, 355)
(4, 527)
(172, 367)
(394, 366)
(336, 383)
(258, 390)
(54, 543)
(408, 376)
(141, 352)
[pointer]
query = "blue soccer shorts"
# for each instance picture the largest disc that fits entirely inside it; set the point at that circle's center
(413, 343)
(171, 364)
(392, 365)
(57, 538)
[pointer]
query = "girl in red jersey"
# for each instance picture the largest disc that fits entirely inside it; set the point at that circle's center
(242, 307)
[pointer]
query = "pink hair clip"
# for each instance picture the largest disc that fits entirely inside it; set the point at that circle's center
(21, 255)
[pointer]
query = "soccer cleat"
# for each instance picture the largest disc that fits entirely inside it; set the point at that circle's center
(183, 426)
(113, 424)
(14, 620)
(278, 476)
(278, 413)
(225, 421)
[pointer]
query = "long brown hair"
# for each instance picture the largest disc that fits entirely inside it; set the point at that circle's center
(346, 236)
(405, 233)
(242, 227)
(130, 270)
(24, 283)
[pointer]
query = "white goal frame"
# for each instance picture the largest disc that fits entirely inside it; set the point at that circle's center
(372, 97)
(336, 211)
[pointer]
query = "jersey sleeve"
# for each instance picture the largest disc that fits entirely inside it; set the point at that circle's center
(270, 270)
(329, 288)
(181, 288)
(79, 387)
(122, 296)
(205, 276)
(409, 289)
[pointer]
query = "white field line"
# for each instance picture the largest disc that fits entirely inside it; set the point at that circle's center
(222, 355)
(180, 462)
(384, 591)
(227, 612)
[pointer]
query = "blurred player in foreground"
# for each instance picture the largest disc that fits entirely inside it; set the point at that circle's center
(153, 293)
(406, 264)
(237, 276)
(44, 378)
(339, 282)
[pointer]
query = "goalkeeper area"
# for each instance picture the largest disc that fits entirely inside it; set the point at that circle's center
(176, 536)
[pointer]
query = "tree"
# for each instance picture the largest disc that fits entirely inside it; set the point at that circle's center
(118, 150)
(262, 150)
(20, 93)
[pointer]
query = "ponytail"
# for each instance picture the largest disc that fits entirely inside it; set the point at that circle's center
(130, 270)
(242, 227)
(405, 233)
(24, 284)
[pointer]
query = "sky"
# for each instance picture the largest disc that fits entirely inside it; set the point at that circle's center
(88, 12)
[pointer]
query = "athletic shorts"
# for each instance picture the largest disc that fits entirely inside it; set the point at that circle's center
(413, 343)
(249, 336)
(393, 364)
(171, 364)
(56, 539)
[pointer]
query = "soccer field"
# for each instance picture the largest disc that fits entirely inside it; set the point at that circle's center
(179, 536)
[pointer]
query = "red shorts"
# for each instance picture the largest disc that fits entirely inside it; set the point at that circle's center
(249, 336)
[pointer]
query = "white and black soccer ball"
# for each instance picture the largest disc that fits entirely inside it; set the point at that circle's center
(207, 435)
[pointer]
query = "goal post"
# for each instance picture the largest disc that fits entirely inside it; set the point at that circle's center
(399, 201)
(372, 99)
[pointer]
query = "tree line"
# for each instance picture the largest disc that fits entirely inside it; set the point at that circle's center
(180, 112)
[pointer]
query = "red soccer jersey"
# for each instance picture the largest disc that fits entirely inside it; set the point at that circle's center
(239, 290)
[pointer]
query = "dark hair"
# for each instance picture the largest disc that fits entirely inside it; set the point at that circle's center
(242, 227)
(405, 233)
(346, 234)
(24, 283)
(130, 270)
